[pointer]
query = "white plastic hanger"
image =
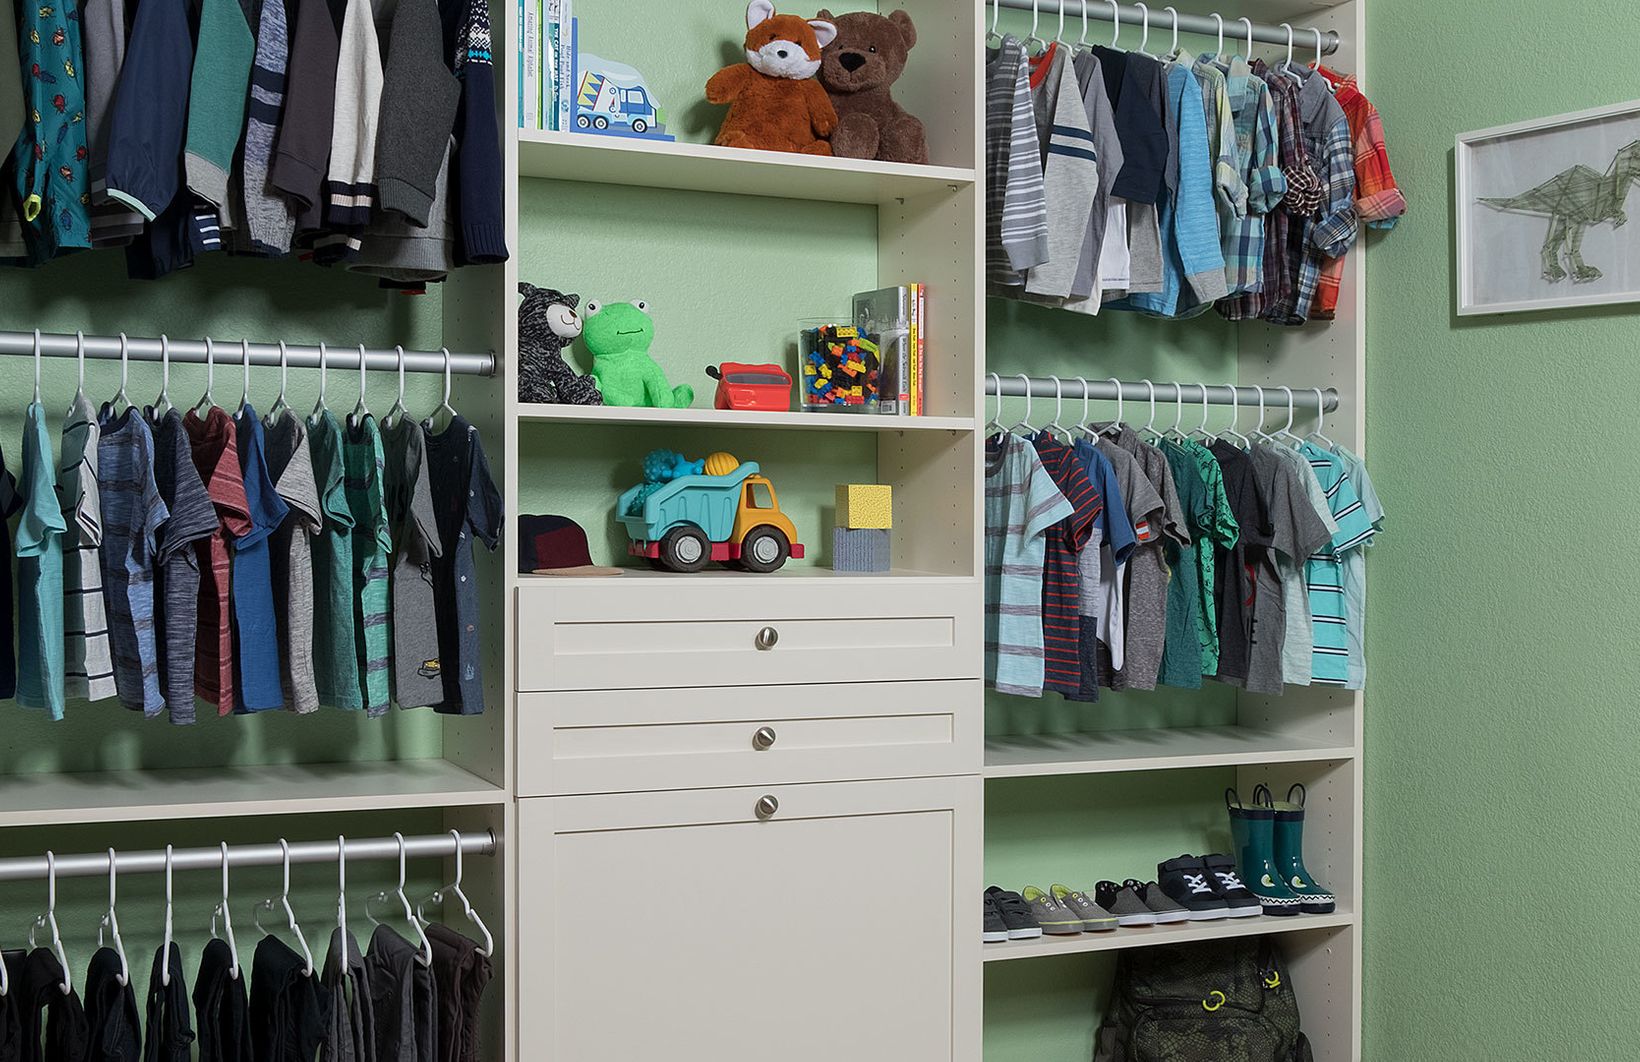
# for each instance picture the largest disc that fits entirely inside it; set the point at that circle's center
(1200, 430)
(1320, 421)
(1150, 425)
(1058, 409)
(360, 411)
(1286, 65)
(245, 388)
(1115, 22)
(222, 911)
(36, 366)
(319, 404)
(125, 368)
(1082, 41)
(1115, 427)
(385, 896)
(49, 921)
(341, 894)
(1218, 19)
(1258, 427)
(1144, 33)
(1235, 418)
(995, 423)
(996, 12)
(1286, 432)
(111, 922)
(438, 899)
(1025, 421)
(1318, 56)
(1177, 430)
(398, 411)
(1033, 38)
(444, 406)
(206, 401)
(79, 359)
(279, 405)
(162, 403)
(1174, 53)
(1059, 37)
(1244, 20)
(165, 947)
(1082, 425)
(282, 901)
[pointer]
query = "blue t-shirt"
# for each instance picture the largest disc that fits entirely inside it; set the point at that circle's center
(256, 648)
(1114, 524)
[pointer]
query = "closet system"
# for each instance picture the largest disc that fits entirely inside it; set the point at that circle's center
(413, 992)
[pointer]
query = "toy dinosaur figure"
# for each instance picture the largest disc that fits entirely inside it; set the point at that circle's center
(1572, 201)
(618, 335)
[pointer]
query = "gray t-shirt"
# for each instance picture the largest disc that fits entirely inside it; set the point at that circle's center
(193, 519)
(410, 517)
(1147, 569)
(1296, 532)
(1298, 647)
(291, 555)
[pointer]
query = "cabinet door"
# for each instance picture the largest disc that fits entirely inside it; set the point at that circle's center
(836, 922)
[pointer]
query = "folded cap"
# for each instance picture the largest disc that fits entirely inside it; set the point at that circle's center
(555, 545)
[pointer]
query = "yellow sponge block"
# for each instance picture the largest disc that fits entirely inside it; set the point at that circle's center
(865, 505)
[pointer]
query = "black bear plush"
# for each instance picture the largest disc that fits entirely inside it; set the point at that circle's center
(547, 322)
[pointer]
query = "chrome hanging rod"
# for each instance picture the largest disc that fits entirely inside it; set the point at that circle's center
(1161, 20)
(227, 353)
(1070, 388)
(92, 864)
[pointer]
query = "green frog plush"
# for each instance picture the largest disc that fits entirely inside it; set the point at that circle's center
(618, 335)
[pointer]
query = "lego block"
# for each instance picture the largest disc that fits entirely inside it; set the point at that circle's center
(864, 550)
(863, 506)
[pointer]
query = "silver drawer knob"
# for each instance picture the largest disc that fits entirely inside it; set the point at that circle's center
(764, 738)
(767, 638)
(767, 806)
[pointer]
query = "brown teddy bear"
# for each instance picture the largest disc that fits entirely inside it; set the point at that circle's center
(858, 68)
(774, 102)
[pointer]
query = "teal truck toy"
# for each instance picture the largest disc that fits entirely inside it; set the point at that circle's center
(728, 514)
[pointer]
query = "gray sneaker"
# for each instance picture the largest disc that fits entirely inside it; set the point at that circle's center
(1167, 912)
(1095, 919)
(1124, 903)
(1054, 917)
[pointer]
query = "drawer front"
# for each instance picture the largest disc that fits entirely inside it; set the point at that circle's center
(612, 742)
(619, 634)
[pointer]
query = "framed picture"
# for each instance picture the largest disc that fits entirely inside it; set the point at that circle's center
(1541, 213)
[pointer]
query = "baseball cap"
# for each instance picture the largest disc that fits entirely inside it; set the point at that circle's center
(555, 545)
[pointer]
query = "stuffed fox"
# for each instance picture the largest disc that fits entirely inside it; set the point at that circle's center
(774, 101)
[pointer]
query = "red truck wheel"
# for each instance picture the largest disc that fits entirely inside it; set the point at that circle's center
(764, 549)
(685, 549)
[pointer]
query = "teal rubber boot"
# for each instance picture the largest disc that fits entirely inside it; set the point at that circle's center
(1289, 848)
(1252, 829)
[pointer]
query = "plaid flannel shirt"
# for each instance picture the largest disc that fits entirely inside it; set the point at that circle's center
(1257, 163)
(1313, 240)
(1378, 200)
(1278, 223)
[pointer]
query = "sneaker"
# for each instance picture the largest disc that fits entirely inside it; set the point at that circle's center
(1124, 903)
(1015, 914)
(995, 930)
(1095, 919)
(1239, 899)
(1167, 912)
(1055, 918)
(1186, 883)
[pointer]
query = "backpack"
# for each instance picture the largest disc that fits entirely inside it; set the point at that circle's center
(1217, 1001)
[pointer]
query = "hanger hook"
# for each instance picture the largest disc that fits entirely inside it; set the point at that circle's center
(322, 371)
(996, 13)
(1320, 411)
(1178, 406)
(245, 364)
(36, 365)
(1058, 401)
(125, 366)
(165, 948)
(284, 371)
(1059, 37)
(1035, 14)
(1083, 380)
(112, 921)
(996, 389)
(1262, 413)
(210, 378)
(1175, 13)
(67, 985)
(79, 358)
(1116, 383)
(399, 350)
(361, 375)
(1318, 51)
(227, 919)
(1202, 427)
(1144, 33)
(1082, 41)
(1244, 20)
(1288, 27)
(1218, 20)
(1115, 22)
(1150, 394)
(164, 371)
(1026, 380)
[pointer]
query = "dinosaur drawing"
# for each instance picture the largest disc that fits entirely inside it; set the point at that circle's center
(1572, 201)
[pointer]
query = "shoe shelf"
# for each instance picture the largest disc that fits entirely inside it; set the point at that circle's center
(1151, 936)
(1153, 750)
(571, 156)
(708, 417)
(216, 792)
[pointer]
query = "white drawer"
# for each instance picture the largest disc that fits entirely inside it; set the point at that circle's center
(635, 633)
(613, 742)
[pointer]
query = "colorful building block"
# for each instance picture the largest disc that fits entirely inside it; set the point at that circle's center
(865, 550)
(865, 506)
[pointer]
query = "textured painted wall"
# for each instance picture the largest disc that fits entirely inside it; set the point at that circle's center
(1501, 743)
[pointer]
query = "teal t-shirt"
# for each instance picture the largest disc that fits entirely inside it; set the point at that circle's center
(39, 573)
(1182, 649)
(1325, 568)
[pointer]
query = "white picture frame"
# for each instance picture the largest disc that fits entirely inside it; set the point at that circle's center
(1539, 208)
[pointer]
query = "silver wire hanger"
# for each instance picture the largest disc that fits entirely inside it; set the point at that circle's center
(398, 410)
(390, 895)
(438, 899)
(444, 406)
(222, 910)
(111, 922)
(165, 946)
(1025, 421)
(162, 402)
(1320, 421)
(49, 921)
(245, 388)
(207, 400)
(79, 359)
(279, 405)
(282, 902)
(319, 404)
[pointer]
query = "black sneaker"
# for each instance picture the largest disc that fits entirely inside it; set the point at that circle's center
(1124, 903)
(1015, 913)
(996, 930)
(1167, 912)
(1222, 876)
(1190, 885)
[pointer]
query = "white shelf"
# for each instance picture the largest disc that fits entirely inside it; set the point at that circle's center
(1157, 749)
(737, 171)
(214, 792)
(1151, 936)
(894, 578)
(707, 417)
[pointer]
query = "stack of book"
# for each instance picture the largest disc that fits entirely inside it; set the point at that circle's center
(897, 316)
(546, 64)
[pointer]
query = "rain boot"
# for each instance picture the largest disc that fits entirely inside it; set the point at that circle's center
(1252, 829)
(1289, 837)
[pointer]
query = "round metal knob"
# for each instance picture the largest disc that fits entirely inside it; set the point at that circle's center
(764, 738)
(767, 806)
(767, 638)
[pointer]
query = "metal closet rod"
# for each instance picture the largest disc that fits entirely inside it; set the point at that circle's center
(1070, 388)
(1162, 19)
(227, 352)
(92, 864)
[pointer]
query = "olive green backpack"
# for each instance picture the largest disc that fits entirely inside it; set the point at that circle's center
(1218, 1001)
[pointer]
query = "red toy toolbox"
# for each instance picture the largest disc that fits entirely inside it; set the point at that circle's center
(741, 386)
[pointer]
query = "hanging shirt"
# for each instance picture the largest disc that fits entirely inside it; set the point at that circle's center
(132, 513)
(1130, 504)
(1182, 650)
(335, 653)
(1298, 645)
(351, 1029)
(461, 972)
(1138, 102)
(1355, 571)
(1061, 582)
(88, 665)
(170, 1032)
(1325, 568)
(288, 1017)
(1086, 289)
(256, 632)
(113, 1024)
(221, 1006)
(40, 680)
(409, 497)
(1021, 506)
(50, 178)
(291, 554)
(1221, 534)
(362, 464)
(402, 997)
(1378, 199)
(1234, 564)
(176, 565)
(1229, 191)
(1301, 194)
(1146, 623)
(1253, 113)
(1332, 231)
(216, 455)
(1070, 170)
(468, 509)
(1296, 532)
(1016, 213)
(50, 1018)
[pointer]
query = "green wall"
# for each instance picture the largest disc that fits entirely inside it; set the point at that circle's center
(1501, 745)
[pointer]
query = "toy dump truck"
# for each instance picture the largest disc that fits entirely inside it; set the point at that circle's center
(728, 514)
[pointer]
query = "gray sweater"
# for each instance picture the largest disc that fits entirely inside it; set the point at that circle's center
(418, 111)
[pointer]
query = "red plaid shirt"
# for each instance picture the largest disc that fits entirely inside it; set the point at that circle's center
(1378, 200)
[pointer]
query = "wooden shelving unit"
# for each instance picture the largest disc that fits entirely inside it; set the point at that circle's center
(736, 418)
(1114, 751)
(1045, 947)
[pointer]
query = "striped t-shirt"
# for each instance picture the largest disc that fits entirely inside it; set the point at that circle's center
(1355, 570)
(1325, 568)
(1016, 211)
(1021, 505)
(88, 667)
(1061, 571)
(362, 470)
